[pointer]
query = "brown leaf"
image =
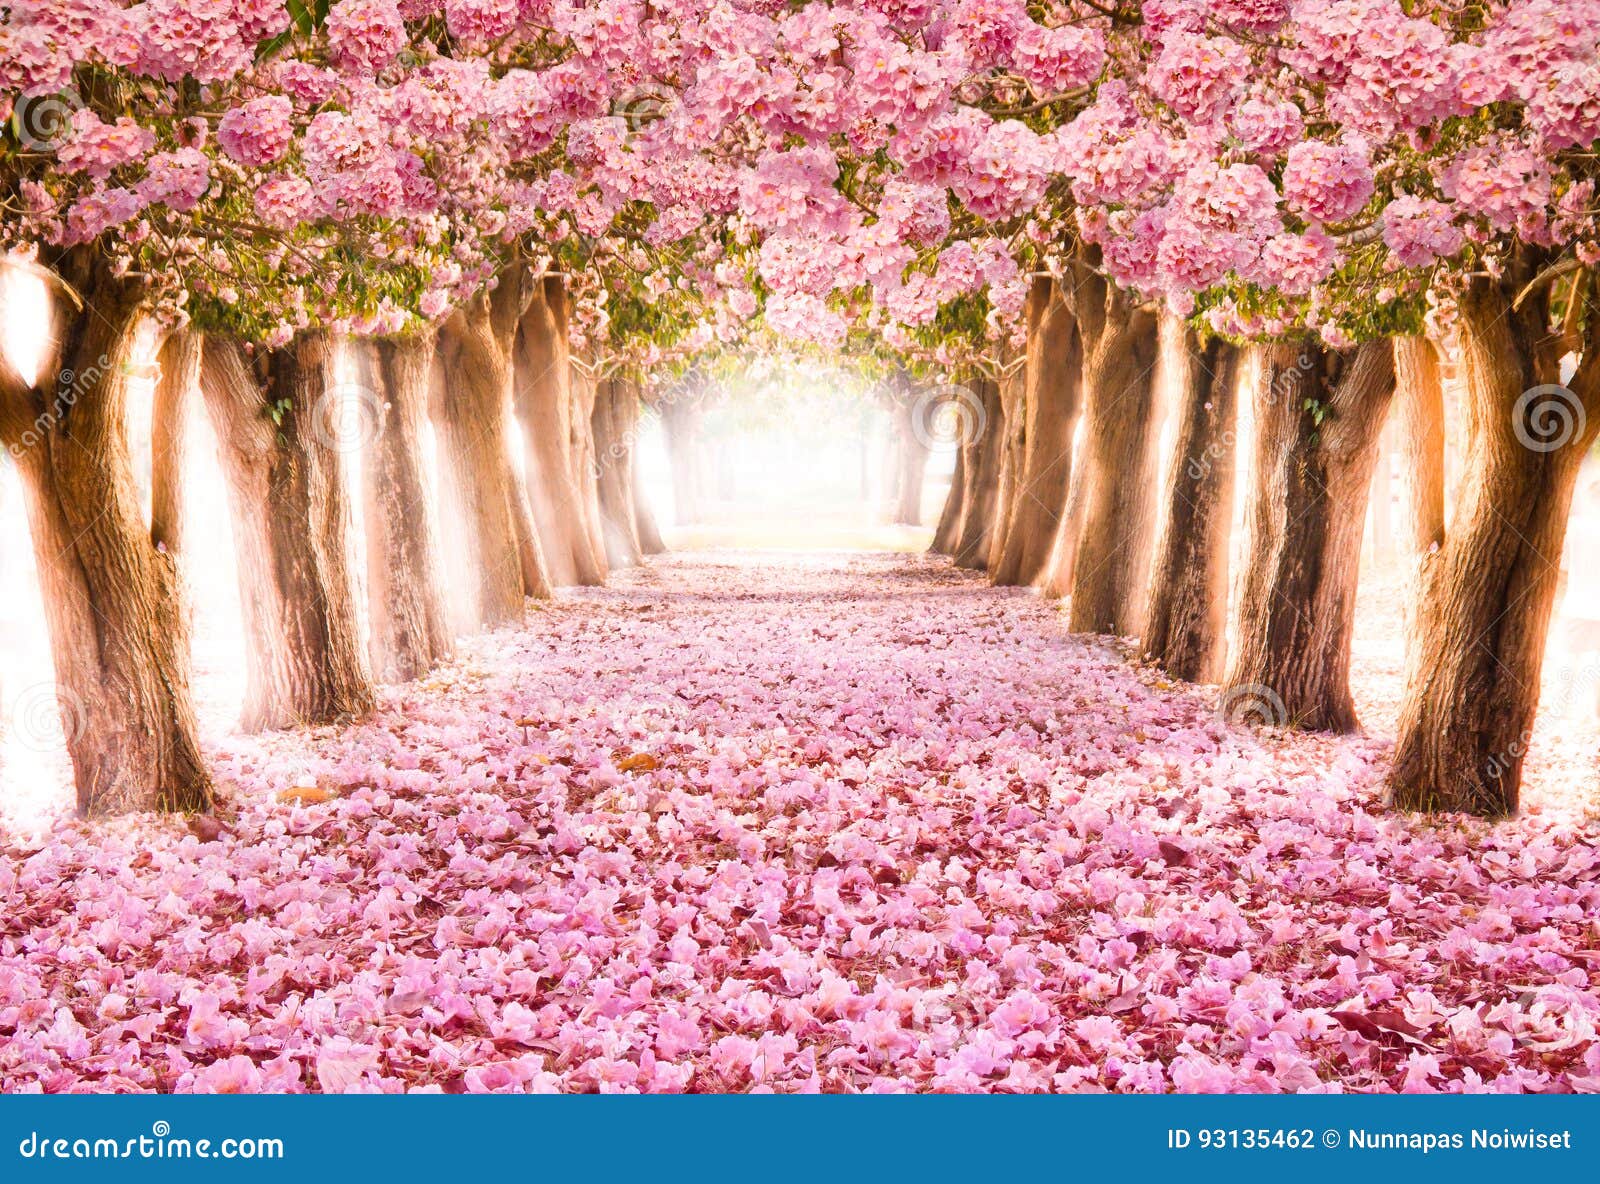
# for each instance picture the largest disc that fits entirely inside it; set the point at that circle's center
(205, 828)
(1380, 1027)
(1175, 855)
(305, 795)
(638, 762)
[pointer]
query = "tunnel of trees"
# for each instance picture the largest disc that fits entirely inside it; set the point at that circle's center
(1159, 287)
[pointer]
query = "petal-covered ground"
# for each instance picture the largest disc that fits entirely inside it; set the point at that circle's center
(800, 823)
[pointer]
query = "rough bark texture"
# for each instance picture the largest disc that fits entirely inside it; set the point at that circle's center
(1189, 578)
(1057, 581)
(1472, 685)
(945, 534)
(981, 459)
(291, 522)
(170, 423)
(616, 410)
(118, 636)
(1112, 557)
(585, 468)
(1054, 373)
(1013, 443)
(405, 585)
(483, 505)
(544, 402)
(1304, 524)
(1419, 398)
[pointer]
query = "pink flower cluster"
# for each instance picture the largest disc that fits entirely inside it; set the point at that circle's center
(96, 149)
(366, 35)
(1328, 182)
(1419, 230)
(259, 131)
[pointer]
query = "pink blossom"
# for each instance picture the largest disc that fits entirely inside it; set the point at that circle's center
(257, 132)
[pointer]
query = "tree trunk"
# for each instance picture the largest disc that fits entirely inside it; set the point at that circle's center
(1054, 373)
(1189, 579)
(544, 402)
(1318, 415)
(945, 534)
(1419, 394)
(1013, 391)
(1057, 580)
(271, 413)
(405, 588)
(118, 635)
(981, 446)
(615, 408)
(1112, 557)
(585, 470)
(483, 506)
(1473, 683)
(170, 424)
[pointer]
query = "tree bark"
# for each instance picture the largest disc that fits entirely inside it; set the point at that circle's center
(410, 632)
(615, 410)
(483, 503)
(585, 470)
(544, 402)
(170, 428)
(1318, 415)
(291, 520)
(1054, 373)
(981, 446)
(1013, 393)
(1189, 579)
(119, 637)
(946, 533)
(1419, 393)
(1472, 687)
(1111, 560)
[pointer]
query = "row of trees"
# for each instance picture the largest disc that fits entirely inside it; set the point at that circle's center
(1004, 194)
